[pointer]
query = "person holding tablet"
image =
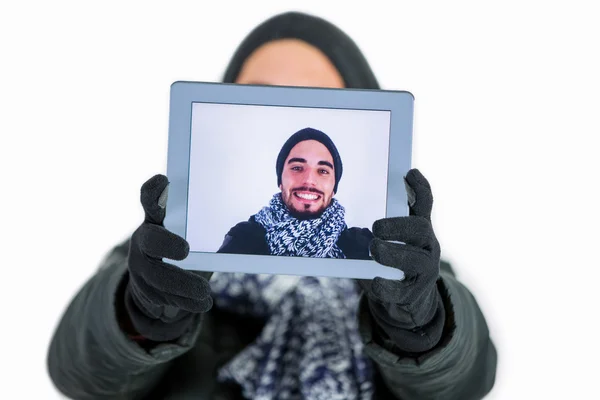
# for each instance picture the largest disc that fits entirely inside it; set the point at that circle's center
(142, 328)
(304, 219)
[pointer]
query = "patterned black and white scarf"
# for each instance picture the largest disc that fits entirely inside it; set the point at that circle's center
(310, 347)
(288, 236)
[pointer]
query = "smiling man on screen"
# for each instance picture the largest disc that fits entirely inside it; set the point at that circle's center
(303, 219)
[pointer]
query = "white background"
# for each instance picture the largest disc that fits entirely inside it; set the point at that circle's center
(234, 149)
(506, 131)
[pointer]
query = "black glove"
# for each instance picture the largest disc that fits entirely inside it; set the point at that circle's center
(409, 312)
(161, 299)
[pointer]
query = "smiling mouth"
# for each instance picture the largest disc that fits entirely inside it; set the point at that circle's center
(307, 197)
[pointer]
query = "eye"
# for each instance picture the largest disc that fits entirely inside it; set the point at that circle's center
(296, 168)
(325, 172)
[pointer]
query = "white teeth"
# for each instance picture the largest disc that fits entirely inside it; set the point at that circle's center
(307, 196)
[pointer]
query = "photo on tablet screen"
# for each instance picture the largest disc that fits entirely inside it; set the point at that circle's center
(286, 181)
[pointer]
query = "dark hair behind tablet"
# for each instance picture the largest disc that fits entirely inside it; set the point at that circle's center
(339, 47)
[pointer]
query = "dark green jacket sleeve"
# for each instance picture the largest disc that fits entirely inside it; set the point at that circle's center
(462, 366)
(90, 357)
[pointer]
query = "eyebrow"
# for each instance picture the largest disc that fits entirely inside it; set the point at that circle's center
(302, 160)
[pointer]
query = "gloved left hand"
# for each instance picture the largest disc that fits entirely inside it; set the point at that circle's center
(410, 312)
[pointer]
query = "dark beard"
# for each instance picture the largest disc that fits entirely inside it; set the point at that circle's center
(305, 215)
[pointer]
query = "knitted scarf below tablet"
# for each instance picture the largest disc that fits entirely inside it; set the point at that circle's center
(310, 347)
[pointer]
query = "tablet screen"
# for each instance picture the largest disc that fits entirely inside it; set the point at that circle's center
(256, 167)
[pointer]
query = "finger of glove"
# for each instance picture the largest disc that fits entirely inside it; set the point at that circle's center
(158, 242)
(411, 260)
(147, 294)
(155, 328)
(158, 331)
(145, 304)
(420, 195)
(416, 231)
(153, 195)
(172, 280)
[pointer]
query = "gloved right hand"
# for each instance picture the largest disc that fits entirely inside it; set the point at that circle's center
(160, 298)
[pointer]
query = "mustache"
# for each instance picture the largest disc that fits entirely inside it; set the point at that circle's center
(307, 189)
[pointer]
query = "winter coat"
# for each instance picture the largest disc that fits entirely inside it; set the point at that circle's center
(90, 356)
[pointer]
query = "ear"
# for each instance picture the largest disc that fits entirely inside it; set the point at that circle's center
(281, 187)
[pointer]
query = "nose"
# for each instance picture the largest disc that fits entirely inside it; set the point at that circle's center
(310, 177)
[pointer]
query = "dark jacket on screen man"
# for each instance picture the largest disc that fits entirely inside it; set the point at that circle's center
(90, 356)
(249, 237)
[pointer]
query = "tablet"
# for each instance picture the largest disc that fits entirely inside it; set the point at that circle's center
(285, 180)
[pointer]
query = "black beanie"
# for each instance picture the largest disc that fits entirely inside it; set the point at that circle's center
(310, 134)
(337, 46)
